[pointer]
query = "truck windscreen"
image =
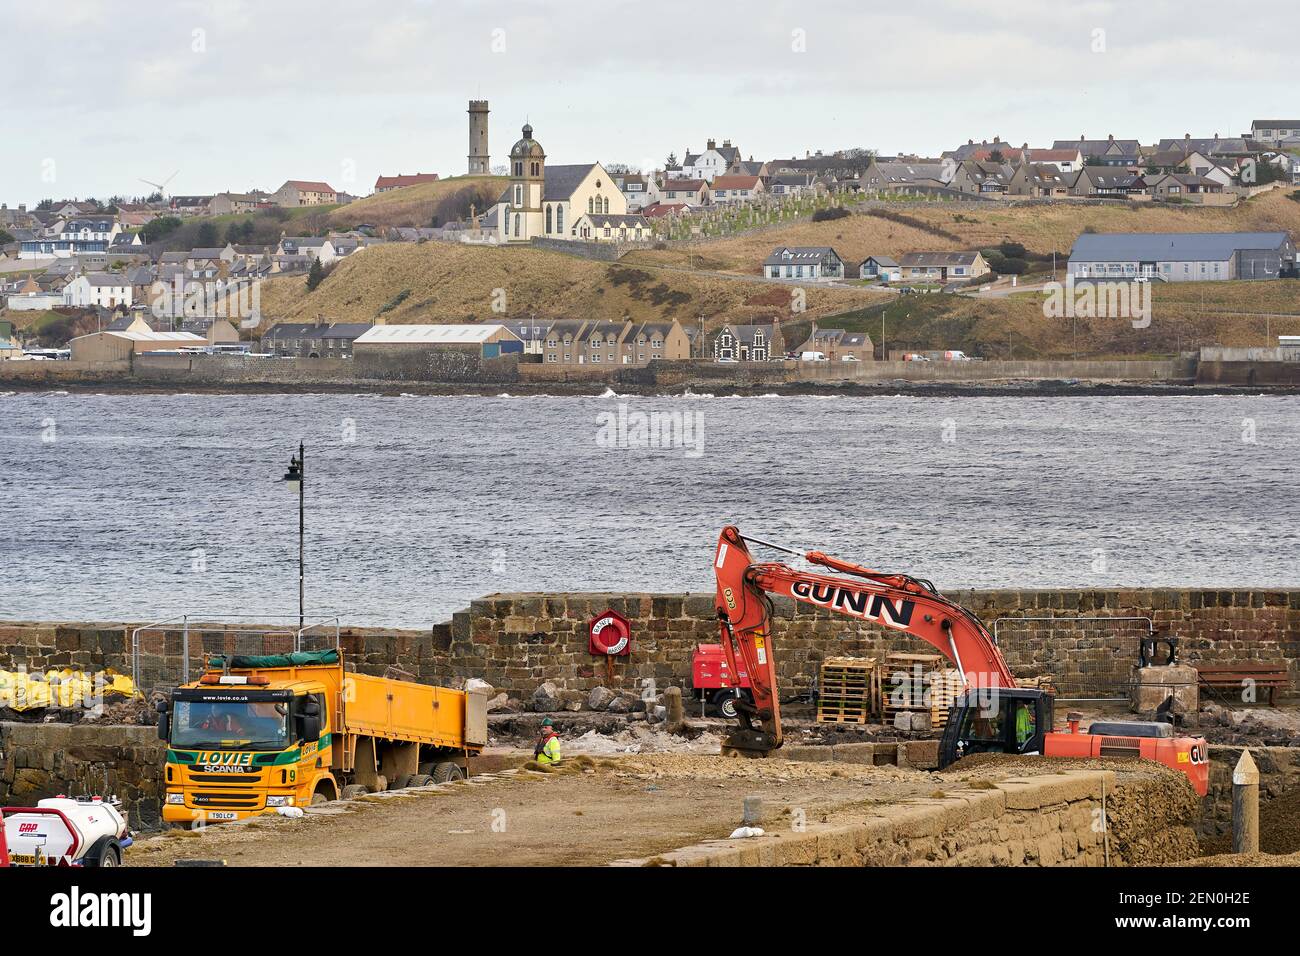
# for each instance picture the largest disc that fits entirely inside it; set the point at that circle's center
(231, 725)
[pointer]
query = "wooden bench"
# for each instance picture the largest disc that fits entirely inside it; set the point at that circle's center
(1268, 677)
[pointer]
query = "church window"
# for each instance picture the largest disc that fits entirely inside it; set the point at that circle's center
(559, 219)
(548, 219)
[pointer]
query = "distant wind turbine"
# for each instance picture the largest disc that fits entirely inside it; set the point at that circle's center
(162, 186)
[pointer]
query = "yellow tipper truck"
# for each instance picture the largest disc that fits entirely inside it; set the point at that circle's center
(255, 734)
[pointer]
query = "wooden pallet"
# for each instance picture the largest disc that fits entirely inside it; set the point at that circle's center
(849, 690)
(932, 690)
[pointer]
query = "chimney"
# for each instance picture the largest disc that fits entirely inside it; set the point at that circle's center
(1082, 138)
(726, 144)
(1110, 137)
(1187, 136)
(970, 142)
(320, 320)
(713, 144)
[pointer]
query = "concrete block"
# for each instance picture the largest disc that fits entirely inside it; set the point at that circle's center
(919, 754)
(807, 753)
(1152, 685)
(870, 754)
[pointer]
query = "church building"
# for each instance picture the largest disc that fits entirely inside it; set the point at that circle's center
(579, 202)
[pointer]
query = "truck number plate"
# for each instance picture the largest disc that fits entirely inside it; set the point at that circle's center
(22, 859)
(221, 814)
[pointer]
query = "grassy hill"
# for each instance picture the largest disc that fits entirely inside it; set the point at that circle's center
(419, 205)
(446, 282)
(944, 226)
(1181, 320)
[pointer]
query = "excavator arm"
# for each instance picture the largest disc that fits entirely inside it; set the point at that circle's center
(894, 601)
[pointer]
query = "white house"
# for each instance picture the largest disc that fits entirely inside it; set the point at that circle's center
(714, 161)
(98, 288)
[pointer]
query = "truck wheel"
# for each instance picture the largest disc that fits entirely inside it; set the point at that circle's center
(354, 790)
(402, 782)
(419, 780)
(446, 772)
(725, 701)
(319, 798)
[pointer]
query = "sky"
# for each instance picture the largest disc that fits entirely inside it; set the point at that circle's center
(242, 94)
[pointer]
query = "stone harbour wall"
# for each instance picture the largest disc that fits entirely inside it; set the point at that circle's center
(45, 760)
(517, 641)
(1048, 820)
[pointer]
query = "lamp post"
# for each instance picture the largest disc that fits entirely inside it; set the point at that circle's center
(293, 478)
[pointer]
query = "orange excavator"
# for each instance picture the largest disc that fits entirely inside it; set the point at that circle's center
(991, 715)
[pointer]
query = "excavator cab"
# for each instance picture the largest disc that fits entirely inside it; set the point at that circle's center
(1000, 720)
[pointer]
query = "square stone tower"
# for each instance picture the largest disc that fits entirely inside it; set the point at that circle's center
(480, 160)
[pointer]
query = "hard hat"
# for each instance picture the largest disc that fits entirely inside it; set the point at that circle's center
(547, 722)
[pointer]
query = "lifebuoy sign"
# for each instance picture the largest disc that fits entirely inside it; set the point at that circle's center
(609, 634)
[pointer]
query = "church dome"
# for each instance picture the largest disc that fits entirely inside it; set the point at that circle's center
(527, 148)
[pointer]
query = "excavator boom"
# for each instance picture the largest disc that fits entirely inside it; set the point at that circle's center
(895, 601)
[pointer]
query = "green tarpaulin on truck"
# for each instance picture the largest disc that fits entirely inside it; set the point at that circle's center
(296, 659)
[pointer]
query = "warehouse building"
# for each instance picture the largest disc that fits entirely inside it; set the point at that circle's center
(487, 341)
(1182, 256)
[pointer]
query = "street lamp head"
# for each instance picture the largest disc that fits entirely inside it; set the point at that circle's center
(293, 477)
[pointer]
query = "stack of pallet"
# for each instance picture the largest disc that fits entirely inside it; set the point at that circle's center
(920, 682)
(1043, 682)
(849, 690)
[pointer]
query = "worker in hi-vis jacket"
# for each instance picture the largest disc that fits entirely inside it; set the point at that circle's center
(548, 744)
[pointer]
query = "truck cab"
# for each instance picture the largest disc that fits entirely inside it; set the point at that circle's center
(243, 747)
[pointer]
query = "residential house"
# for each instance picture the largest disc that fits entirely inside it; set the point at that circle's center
(693, 192)
(614, 343)
(760, 342)
(73, 237)
(803, 262)
(736, 189)
(882, 268)
(1275, 132)
(601, 227)
(974, 150)
(1104, 152)
(1069, 160)
(225, 204)
(300, 192)
(28, 296)
(638, 190)
(1101, 181)
(1182, 256)
(1228, 147)
(941, 266)
(531, 331)
(982, 178)
(713, 162)
(388, 183)
(103, 289)
(791, 184)
(319, 339)
(1182, 186)
(839, 346)
(189, 205)
(312, 247)
(1039, 180)
(880, 176)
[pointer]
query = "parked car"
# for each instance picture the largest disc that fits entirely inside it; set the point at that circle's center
(813, 357)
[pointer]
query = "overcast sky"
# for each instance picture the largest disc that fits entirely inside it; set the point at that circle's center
(237, 94)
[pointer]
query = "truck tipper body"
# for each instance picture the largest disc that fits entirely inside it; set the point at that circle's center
(255, 734)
